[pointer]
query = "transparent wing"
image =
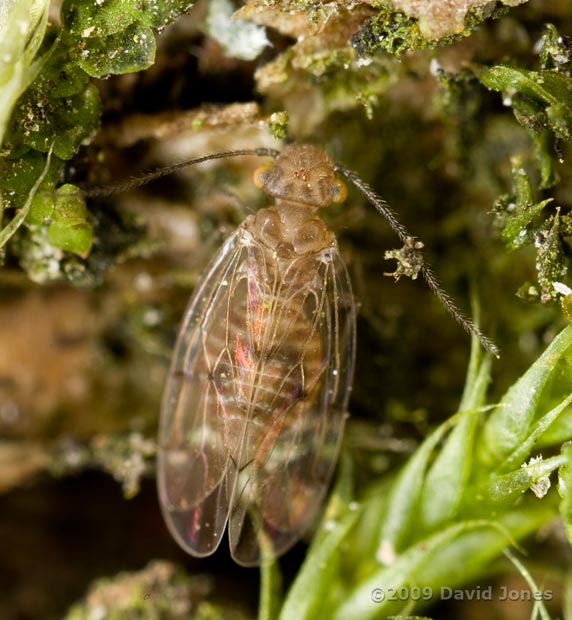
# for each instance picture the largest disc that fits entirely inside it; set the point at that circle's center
(256, 399)
(302, 328)
(196, 471)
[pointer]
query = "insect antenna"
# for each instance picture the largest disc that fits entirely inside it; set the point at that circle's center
(153, 175)
(448, 302)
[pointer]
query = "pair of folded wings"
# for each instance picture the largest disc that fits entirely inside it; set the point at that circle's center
(255, 404)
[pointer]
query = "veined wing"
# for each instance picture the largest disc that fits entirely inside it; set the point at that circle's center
(256, 399)
(196, 471)
(290, 447)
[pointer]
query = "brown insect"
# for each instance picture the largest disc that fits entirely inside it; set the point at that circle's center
(254, 408)
(255, 404)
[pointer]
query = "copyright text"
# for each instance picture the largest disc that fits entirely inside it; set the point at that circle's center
(412, 593)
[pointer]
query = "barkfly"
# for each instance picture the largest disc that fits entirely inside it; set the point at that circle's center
(255, 403)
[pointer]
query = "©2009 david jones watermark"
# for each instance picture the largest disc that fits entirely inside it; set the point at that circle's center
(413, 593)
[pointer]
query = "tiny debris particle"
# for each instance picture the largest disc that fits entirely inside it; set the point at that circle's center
(409, 259)
(143, 282)
(152, 317)
(87, 32)
(435, 67)
(386, 553)
(541, 487)
(561, 288)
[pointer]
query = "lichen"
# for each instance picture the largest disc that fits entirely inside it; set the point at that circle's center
(409, 25)
(239, 38)
(279, 125)
(409, 259)
(439, 18)
(391, 31)
(161, 590)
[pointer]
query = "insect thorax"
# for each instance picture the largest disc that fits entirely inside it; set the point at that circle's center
(290, 229)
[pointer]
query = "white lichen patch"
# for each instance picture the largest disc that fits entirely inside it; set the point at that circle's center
(42, 260)
(239, 38)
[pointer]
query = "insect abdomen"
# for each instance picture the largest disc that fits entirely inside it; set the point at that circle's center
(266, 355)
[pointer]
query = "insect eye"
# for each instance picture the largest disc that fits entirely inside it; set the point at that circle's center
(339, 191)
(261, 175)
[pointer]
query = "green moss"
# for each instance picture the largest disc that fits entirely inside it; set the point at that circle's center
(390, 31)
(19, 175)
(60, 110)
(116, 36)
(26, 22)
(556, 52)
(540, 98)
(477, 15)
(113, 16)
(552, 263)
(65, 215)
(520, 209)
(524, 223)
(278, 125)
(542, 103)
(396, 33)
(127, 51)
(43, 121)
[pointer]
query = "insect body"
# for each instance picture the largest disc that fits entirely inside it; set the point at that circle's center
(254, 408)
